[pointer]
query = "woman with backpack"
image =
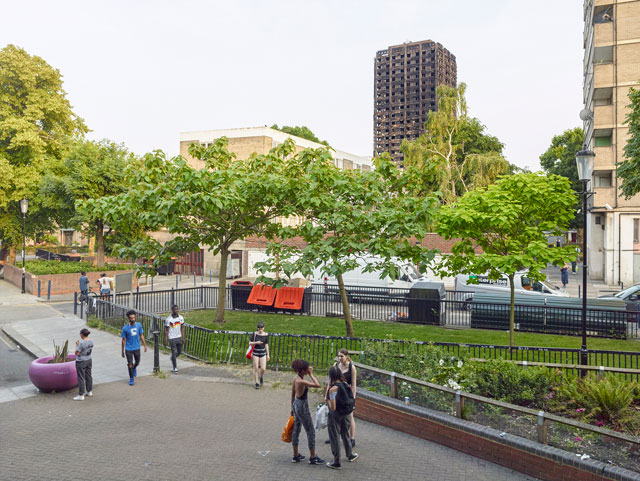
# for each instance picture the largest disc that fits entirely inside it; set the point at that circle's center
(340, 401)
(300, 411)
(349, 372)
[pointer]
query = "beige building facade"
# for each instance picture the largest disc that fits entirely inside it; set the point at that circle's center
(244, 142)
(611, 68)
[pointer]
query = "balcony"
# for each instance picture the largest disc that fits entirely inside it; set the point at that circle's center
(603, 75)
(603, 34)
(604, 158)
(603, 116)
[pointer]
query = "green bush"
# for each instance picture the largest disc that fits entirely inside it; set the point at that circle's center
(40, 267)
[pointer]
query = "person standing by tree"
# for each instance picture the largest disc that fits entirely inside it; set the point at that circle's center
(84, 348)
(300, 411)
(84, 285)
(337, 421)
(174, 331)
(260, 341)
(131, 335)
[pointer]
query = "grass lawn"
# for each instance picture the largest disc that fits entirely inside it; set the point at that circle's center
(246, 321)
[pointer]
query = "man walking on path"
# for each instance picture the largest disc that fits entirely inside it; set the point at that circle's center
(174, 331)
(105, 284)
(84, 285)
(131, 335)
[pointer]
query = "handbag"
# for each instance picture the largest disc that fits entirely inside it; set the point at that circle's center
(288, 430)
(322, 416)
(249, 352)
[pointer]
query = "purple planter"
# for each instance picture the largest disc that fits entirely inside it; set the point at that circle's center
(54, 377)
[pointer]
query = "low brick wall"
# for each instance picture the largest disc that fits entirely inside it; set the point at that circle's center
(519, 454)
(60, 283)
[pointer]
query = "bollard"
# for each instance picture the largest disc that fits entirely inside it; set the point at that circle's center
(137, 296)
(176, 282)
(156, 345)
(579, 291)
(459, 405)
(194, 279)
(542, 428)
(49, 290)
(75, 300)
(601, 372)
(201, 295)
(209, 276)
(152, 284)
(394, 385)
(39, 282)
(173, 297)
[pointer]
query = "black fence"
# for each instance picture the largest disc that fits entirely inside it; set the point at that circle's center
(453, 311)
(213, 346)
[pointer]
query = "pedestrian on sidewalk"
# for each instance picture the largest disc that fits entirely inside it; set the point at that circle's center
(105, 284)
(260, 356)
(131, 335)
(300, 411)
(337, 421)
(564, 275)
(84, 285)
(84, 347)
(174, 331)
(348, 370)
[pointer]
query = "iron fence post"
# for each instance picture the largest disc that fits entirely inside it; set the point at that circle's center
(156, 345)
(75, 300)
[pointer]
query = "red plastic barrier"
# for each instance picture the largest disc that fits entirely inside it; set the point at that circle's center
(289, 298)
(262, 295)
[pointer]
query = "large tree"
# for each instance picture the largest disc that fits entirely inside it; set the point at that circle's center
(629, 169)
(213, 207)
(348, 214)
(465, 156)
(560, 159)
(91, 170)
(508, 220)
(36, 121)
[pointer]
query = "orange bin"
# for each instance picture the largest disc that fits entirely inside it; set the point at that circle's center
(289, 298)
(262, 295)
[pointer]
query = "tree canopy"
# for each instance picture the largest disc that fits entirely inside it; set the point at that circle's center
(464, 156)
(629, 169)
(302, 131)
(508, 221)
(36, 121)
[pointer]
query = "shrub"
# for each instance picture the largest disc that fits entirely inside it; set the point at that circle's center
(40, 267)
(60, 353)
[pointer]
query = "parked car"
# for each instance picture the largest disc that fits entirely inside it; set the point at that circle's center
(631, 297)
(523, 286)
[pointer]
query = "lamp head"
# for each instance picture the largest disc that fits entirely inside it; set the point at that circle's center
(24, 206)
(584, 161)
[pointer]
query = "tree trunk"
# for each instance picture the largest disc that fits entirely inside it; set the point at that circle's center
(512, 312)
(99, 244)
(345, 307)
(11, 259)
(222, 285)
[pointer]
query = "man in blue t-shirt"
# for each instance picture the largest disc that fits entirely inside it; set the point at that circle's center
(131, 335)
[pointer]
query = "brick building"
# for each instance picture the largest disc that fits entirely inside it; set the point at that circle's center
(406, 77)
(611, 68)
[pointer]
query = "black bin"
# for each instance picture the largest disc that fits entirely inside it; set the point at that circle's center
(425, 306)
(240, 291)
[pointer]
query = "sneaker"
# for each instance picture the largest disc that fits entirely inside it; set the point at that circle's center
(328, 441)
(257, 386)
(353, 457)
(130, 381)
(316, 460)
(334, 465)
(298, 458)
(261, 382)
(175, 370)
(78, 398)
(135, 372)
(353, 443)
(90, 393)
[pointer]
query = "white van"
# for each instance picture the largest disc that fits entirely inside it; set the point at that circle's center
(408, 275)
(523, 285)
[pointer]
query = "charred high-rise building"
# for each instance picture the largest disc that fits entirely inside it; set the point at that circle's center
(406, 77)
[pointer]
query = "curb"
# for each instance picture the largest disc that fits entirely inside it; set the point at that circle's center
(24, 343)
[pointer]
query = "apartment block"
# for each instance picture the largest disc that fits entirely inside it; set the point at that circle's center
(611, 68)
(406, 77)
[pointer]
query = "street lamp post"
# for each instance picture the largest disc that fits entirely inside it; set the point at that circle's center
(584, 160)
(24, 206)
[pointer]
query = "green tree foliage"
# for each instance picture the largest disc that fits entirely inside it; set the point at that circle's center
(464, 155)
(213, 207)
(91, 170)
(35, 122)
(629, 169)
(508, 221)
(560, 159)
(348, 214)
(303, 132)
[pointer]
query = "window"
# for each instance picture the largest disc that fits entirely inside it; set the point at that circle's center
(602, 179)
(636, 230)
(598, 220)
(604, 141)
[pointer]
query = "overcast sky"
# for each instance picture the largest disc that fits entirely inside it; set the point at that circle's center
(141, 72)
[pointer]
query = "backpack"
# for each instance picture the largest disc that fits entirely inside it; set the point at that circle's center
(345, 403)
